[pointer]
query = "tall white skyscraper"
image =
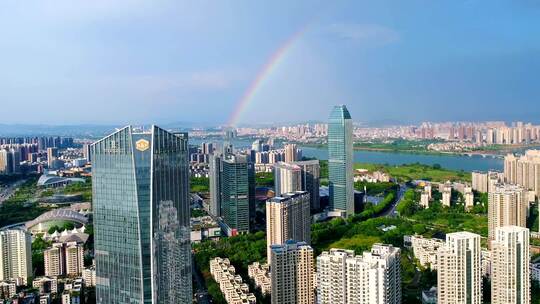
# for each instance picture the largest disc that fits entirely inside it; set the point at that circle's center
(459, 278)
(510, 283)
(372, 278)
(15, 255)
(507, 205)
(292, 273)
(288, 218)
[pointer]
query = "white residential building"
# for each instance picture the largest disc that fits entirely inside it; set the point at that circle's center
(287, 178)
(468, 195)
(288, 218)
(425, 250)
(424, 199)
(292, 274)
(234, 290)
(15, 255)
(510, 283)
(459, 278)
(447, 198)
(372, 278)
(480, 181)
(507, 205)
(524, 170)
(260, 274)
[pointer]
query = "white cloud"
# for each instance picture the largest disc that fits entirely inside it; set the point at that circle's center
(364, 33)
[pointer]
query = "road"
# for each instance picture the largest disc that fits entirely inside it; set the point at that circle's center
(391, 212)
(201, 294)
(7, 192)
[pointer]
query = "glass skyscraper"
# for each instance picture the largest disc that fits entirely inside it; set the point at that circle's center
(237, 192)
(141, 217)
(340, 160)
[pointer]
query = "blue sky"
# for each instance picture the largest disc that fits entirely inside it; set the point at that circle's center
(70, 62)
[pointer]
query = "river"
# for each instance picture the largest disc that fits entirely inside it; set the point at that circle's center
(454, 162)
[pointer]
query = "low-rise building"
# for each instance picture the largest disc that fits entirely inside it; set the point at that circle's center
(89, 276)
(429, 296)
(447, 198)
(234, 290)
(469, 198)
(73, 292)
(7, 289)
(535, 271)
(45, 284)
(204, 227)
(425, 250)
(260, 274)
(424, 199)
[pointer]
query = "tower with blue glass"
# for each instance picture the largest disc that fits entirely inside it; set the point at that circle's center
(140, 185)
(340, 161)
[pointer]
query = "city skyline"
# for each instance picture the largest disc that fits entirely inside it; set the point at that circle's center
(304, 152)
(415, 61)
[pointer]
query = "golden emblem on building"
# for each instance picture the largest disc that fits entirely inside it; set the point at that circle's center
(142, 145)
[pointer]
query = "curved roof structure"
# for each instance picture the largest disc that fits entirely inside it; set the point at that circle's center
(47, 180)
(56, 215)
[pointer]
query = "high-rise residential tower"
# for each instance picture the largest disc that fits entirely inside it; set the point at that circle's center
(292, 274)
(54, 259)
(292, 153)
(311, 181)
(15, 255)
(288, 218)
(141, 217)
(371, 278)
(74, 259)
(459, 277)
(524, 170)
(287, 178)
(510, 283)
(214, 175)
(340, 161)
(86, 152)
(237, 192)
(507, 205)
(52, 154)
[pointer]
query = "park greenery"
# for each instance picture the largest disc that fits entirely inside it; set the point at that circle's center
(198, 212)
(407, 172)
(380, 188)
(38, 247)
(66, 226)
(241, 250)
(439, 219)
(416, 171)
(397, 145)
(264, 179)
(21, 207)
(6, 179)
(200, 184)
(84, 189)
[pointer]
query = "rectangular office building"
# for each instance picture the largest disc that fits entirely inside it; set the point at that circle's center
(141, 217)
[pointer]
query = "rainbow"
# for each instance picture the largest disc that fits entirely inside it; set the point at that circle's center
(271, 65)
